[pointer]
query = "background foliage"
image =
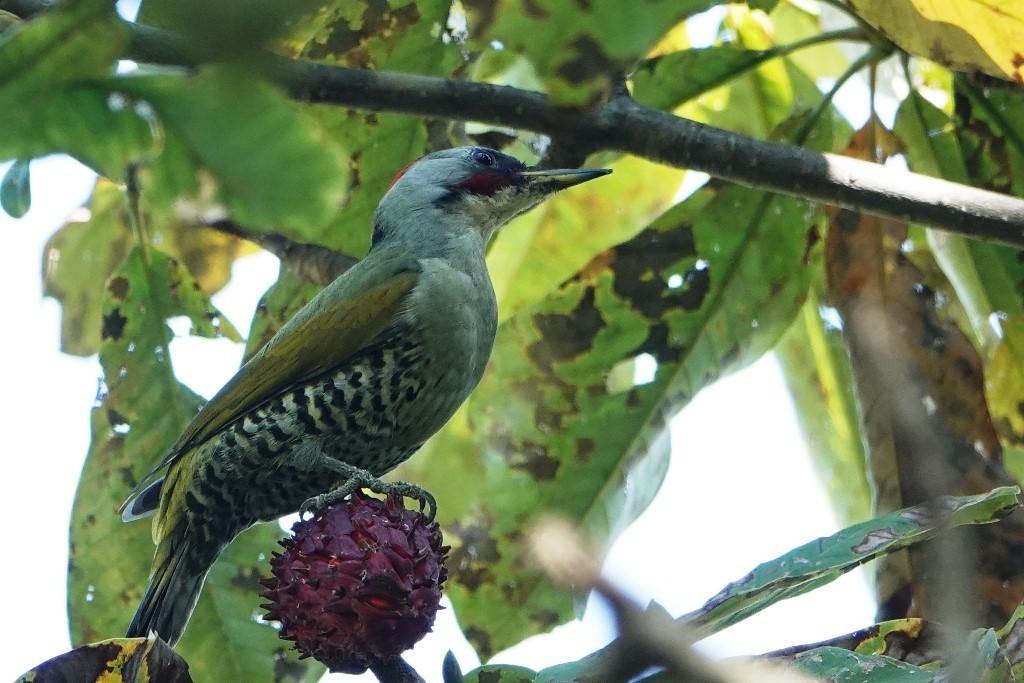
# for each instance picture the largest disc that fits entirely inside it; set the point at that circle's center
(917, 392)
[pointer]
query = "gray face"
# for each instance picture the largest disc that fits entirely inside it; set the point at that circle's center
(476, 186)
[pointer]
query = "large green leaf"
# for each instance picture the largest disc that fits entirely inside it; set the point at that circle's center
(577, 49)
(558, 422)
(995, 115)
(760, 98)
(817, 371)
(751, 95)
(227, 29)
(793, 22)
(271, 164)
(535, 254)
(837, 665)
(47, 100)
(79, 39)
(77, 261)
(825, 559)
(412, 36)
(141, 411)
(977, 659)
(818, 563)
(669, 80)
(81, 255)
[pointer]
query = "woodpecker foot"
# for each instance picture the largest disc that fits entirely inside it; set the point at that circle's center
(428, 506)
(361, 479)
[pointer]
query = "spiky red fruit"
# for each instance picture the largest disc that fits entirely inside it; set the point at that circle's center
(358, 582)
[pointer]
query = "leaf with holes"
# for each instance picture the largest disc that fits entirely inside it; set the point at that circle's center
(825, 559)
(562, 419)
(533, 255)
(578, 50)
(140, 413)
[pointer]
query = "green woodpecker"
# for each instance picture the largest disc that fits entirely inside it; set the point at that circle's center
(352, 385)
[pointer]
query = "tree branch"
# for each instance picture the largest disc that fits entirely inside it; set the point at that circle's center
(623, 125)
(310, 262)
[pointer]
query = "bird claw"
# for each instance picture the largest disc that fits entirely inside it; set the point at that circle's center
(361, 479)
(406, 490)
(425, 500)
(307, 507)
(427, 503)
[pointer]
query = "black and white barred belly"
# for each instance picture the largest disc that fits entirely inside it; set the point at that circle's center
(269, 461)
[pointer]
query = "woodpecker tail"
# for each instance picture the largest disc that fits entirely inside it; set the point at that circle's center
(171, 595)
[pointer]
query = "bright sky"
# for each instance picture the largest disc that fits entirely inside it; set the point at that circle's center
(740, 489)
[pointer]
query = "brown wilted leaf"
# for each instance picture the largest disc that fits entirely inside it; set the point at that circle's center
(920, 385)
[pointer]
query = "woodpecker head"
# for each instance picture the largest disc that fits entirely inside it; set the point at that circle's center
(465, 190)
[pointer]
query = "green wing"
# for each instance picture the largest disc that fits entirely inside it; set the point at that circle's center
(339, 322)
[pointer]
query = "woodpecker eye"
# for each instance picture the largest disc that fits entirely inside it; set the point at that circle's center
(483, 157)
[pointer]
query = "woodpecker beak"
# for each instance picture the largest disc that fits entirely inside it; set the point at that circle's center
(559, 179)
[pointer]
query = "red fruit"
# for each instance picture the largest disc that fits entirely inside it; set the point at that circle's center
(358, 582)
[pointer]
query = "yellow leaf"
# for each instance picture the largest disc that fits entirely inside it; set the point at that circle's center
(965, 35)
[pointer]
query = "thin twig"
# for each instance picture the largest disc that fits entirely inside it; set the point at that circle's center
(870, 58)
(310, 262)
(853, 34)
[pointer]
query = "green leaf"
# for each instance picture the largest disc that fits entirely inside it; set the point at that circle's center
(270, 163)
(977, 659)
(670, 80)
(226, 29)
(536, 253)
(140, 413)
(48, 101)
(1008, 635)
(380, 145)
(577, 49)
(837, 665)
(558, 422)
(823, 560)
(793, 22)
(90, 122)
(761, 96)
(500, 673)
(930, 140)
(401, 38)
(819, 562)
(81, 255)
(78, 39)
(817, 371)
(412, 36)
(16, 189)
(77, 261)
(996, 116)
